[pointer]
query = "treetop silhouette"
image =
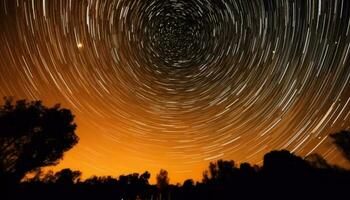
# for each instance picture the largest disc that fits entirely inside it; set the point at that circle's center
(33, 136)
(342, 141)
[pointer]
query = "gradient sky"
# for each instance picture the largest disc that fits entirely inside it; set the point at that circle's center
(176, 84)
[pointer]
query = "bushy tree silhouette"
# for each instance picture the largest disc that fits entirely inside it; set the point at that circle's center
(318, 161)
(32, 136)
(144, 177)
(162, 179)
(162, 183)
(282, 173)
(342, 141)
(221, 171)
(280, 162)
(188, 184)
(67, 177)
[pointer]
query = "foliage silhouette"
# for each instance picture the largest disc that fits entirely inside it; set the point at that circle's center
(283, 164)
(162, 183)
(281, 173)
(32, 136)
(318, 162)
(342, 141)
(67, 177)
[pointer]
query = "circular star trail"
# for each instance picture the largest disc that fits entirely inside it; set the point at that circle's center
(176, 84)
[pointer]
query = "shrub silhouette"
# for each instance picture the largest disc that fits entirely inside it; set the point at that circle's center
(162, 183)
(221, 171)
(285, 163)
(162, 179)
(67, 177)
(32, 136)
(282, 173)
(318, 161)
(342, 141)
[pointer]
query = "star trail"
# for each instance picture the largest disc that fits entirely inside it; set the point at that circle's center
(176, 84)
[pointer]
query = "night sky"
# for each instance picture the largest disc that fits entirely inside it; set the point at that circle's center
(176, 84)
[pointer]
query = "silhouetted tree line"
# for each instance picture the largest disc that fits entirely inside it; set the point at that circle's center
(33, 136)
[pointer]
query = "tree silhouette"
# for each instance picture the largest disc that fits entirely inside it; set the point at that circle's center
(220, 171)
(96, 181)
(144, 177)
(67, 177)
(162, 179)
(162, 182)
(318, 161)
(283, 159)
(283, 173)
(32, 136)
(189, 183)
(342, 141)
(283, 164)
